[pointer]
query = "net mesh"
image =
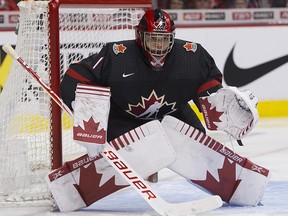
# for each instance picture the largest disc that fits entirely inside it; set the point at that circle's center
(25, 111)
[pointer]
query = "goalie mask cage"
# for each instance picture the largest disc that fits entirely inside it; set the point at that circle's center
(35, 135)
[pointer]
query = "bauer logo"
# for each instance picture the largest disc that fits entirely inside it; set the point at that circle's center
(211, 115)
(232, 155)
(129, 174)
(90, 133)
(82, 161)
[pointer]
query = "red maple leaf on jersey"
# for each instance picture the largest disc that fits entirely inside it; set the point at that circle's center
(89, 185)
(211, 115)
(90, 133)
(119, 48)
(151, 107)
(227, 184)
(146, 103)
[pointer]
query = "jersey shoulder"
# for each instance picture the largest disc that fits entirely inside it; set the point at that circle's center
(187, 46)
(121, 47)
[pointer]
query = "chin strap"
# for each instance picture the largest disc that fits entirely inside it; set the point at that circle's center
(157, 62)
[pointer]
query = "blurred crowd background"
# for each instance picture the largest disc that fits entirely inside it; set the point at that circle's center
(221, 4)
(189, 4)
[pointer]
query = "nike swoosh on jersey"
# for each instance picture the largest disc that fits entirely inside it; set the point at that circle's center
(235, 76)
(127, 75)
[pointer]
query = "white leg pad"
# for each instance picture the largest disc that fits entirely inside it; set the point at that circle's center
(214, 167)
(253, 183)
(83, 181)
(151, 150)
(61, 183)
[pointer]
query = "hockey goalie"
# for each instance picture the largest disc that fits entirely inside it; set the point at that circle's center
(134, 95)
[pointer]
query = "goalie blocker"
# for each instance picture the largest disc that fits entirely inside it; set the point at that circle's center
(91, 111)
(202, 160)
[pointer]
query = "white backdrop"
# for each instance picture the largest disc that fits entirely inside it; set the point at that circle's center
(253, 46)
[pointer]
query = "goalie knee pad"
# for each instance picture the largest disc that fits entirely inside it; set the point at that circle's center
(214, 167)
(83, 181)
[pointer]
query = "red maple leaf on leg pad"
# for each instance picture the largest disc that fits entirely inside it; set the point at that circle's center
(89, 185)
(227, 185)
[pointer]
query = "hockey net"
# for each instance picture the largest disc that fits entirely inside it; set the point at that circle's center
(35, 136)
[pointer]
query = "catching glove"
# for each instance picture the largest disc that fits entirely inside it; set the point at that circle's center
(230, 110)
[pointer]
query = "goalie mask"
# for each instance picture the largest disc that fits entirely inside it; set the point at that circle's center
(155, 36)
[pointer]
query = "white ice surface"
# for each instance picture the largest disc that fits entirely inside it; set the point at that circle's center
(267, 145)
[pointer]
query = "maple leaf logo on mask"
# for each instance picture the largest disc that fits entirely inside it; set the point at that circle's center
(90, 133)
(211, 115)
(227, 183)
(152, 107)
(159, 25)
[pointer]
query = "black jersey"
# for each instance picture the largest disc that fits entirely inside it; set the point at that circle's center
(139, 93)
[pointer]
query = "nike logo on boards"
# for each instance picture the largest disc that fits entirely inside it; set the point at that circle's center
(235, 76)
(127, 75)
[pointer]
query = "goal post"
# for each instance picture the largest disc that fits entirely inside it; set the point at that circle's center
(54, 20)
(35, 135)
